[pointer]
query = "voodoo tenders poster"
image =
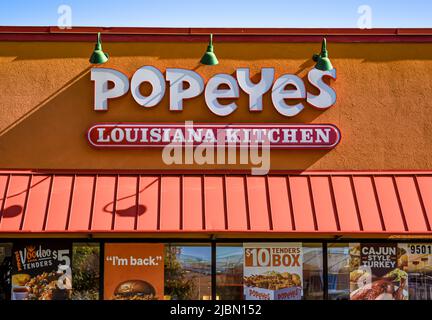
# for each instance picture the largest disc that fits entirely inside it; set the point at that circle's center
(41, 270)
(134, 271)
(273, 271)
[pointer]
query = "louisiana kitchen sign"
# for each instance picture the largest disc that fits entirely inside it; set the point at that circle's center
(281, 136)
(288, 95)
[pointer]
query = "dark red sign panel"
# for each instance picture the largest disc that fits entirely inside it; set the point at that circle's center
(277, 136)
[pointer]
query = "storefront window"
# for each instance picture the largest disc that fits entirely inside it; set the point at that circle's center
(313, 283)
(187, 272)
(229, 271)
(85, 271)
(339, 267)
(57, 270)
(5, 267)
(416, 260)
(271, 271)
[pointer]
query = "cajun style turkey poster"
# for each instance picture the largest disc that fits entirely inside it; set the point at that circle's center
(378, 276)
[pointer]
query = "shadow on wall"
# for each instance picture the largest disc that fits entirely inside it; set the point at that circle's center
(46, 100)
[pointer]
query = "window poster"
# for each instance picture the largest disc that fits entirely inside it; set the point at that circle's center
(134, 271)
(378, 272)
(417, 261)
(273, 271)
(41, 270)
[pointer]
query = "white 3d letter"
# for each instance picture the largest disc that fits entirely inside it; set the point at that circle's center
(255, 91)
(212, 94)
(327, 96)
(101, 77)
(155, 78)
(279, 94)
(176, 77)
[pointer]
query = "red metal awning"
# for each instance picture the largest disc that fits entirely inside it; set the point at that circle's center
(318, 202)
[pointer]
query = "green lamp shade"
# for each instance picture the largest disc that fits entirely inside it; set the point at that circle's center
(322, 61)
(98, 56)
(209, 58)
(324, 64)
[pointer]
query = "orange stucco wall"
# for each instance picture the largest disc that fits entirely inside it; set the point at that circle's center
(384, 98)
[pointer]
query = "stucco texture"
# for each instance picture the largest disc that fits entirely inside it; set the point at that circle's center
(384, 98)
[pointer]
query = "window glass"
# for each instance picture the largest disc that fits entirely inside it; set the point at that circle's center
(85, 271)
(187, 272)
(5, 268)
(229, 272)
(339, 267)
(312, 271)
(272, 271)
(416, 260)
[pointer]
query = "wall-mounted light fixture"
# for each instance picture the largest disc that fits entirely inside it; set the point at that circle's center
(98, 56)
(209, 58)
(322, 61)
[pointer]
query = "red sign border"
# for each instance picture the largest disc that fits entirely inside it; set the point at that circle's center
(215, 124)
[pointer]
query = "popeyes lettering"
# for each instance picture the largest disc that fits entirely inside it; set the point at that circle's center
(290, 294)
(259, 295)
(185, 84)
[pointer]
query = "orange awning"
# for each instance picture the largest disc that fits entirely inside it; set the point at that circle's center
(313, 202)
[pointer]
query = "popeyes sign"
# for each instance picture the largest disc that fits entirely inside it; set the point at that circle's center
(182, 84)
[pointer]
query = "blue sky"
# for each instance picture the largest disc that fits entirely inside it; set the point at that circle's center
(219, 13)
